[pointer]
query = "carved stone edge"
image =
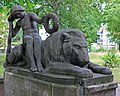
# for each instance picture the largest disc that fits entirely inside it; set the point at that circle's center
(1, 79)
(101, 87)
(63, 79)
(54, 78)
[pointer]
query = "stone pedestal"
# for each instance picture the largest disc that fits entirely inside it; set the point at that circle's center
(1, 86)
(22, 82)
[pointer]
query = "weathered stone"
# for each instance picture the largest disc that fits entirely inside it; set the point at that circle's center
(38, 84)
(1, 86)
(29, 52)
(62, 60)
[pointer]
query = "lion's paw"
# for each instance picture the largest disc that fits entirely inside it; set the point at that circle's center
(83, 72)
(106, 71)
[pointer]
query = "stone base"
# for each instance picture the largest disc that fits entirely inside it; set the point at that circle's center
(22, 82)
(1, 86)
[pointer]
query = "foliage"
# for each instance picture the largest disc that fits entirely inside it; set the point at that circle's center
(84, 15)
(111, 15)
(111, 59)
(96, 57)
(2, 59)
(3, 27)
(101, 49)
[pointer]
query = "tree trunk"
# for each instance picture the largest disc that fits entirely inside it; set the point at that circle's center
(119, 47)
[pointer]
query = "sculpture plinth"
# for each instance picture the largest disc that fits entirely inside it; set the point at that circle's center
(1, 86)
(22, 82)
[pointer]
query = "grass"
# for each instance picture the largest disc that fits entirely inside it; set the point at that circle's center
(2, 59)
(116, 74)
(96, 57)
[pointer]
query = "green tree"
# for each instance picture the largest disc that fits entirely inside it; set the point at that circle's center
(111, 16)
(4, 22)
(3, 27)
(83, 15)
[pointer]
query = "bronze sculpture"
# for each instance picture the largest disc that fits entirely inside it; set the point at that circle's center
(63, 52)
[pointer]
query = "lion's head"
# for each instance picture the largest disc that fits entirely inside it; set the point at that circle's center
(66, 46)
(75, 47)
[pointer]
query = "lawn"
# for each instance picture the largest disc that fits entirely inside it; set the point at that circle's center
(94, 57)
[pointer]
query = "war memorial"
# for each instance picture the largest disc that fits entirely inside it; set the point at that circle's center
(57, 66)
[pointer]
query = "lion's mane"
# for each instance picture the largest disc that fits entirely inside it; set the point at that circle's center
(53, 50)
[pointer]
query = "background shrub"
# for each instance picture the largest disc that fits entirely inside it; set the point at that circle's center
(111, 59)
(2, 59)
(101, 49)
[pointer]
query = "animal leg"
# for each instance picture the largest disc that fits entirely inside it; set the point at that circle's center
(99, 69)
(69, 69)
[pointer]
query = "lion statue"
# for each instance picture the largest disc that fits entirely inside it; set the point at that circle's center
(66, 52)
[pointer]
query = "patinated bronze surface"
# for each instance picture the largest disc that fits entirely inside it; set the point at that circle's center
(64, 52)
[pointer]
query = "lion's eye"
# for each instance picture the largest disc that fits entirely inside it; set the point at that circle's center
(77, 46)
